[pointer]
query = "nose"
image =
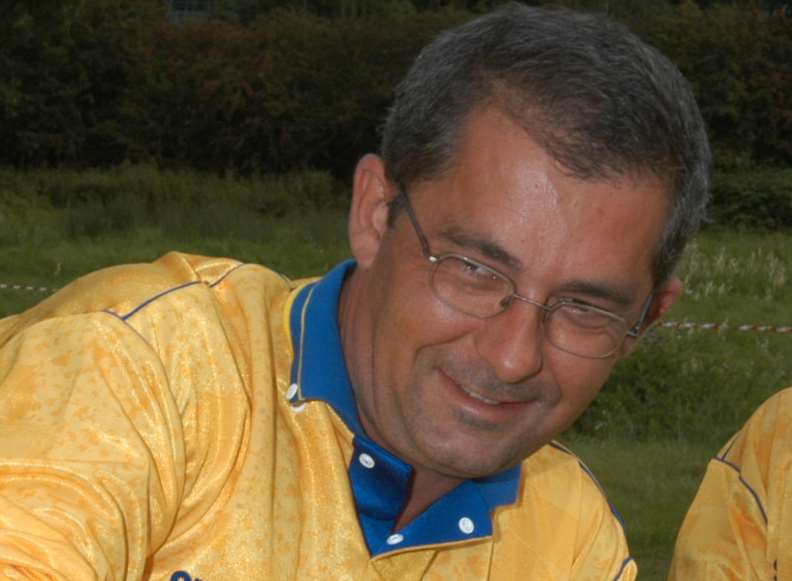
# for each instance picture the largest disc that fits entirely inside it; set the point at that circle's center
(512, 341)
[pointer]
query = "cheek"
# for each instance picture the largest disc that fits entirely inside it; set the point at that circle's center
(412, 329)
(413, 318)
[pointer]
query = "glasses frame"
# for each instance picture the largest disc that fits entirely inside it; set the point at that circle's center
(403, 200)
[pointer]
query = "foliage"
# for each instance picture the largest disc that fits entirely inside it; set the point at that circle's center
(293, 91)
(752, 197)
(701, 385)
(58, 224)
(273, 86)
(94, 203)
(24, 213)
(76, 79)
(738, 59)
(675, 385)
(245, 11)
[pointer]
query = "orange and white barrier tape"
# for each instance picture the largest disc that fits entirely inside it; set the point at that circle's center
(27, 287)
(692, 326)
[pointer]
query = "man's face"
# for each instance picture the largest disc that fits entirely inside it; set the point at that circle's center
(420, 368)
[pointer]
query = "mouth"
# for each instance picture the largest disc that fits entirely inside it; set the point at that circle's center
(478, 396)
(471, 398)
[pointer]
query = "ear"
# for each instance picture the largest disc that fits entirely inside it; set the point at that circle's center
(665, 297)
(368, 216)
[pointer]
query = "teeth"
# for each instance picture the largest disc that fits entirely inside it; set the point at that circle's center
(480, 397)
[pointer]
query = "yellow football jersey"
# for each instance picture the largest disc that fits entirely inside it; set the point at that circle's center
(740, 524)
(188, 420)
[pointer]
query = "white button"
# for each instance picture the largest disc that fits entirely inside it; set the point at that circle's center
(298, 408)
(466, 525)
(394, 539)
(366, 460)
(292, 391)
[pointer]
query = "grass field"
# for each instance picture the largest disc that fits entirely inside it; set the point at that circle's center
(664, 412)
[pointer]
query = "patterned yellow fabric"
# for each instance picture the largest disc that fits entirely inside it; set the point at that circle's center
(145, 434)
(740, 523)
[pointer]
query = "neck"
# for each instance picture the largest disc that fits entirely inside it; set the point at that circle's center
(426, 488)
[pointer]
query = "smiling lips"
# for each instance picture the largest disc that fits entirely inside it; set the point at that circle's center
(482, 398)
(479, 397)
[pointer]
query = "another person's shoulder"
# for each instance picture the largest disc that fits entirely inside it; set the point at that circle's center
(735, 527)
(773, 418)
(754, 451)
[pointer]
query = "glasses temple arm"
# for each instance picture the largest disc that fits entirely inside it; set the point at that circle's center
(636, 329)
(403, 201)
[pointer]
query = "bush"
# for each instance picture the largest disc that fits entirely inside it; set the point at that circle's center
(79, 78)
(129, 197)
(292, 91)
(737, 58)
(701, 385)
(97, 82)
(756, 197)
(695, 386)
(25, 215)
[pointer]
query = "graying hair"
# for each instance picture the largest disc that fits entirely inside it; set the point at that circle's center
(596, 98)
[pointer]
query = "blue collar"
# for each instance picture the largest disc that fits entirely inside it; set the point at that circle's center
(380, 481)
(323, 374)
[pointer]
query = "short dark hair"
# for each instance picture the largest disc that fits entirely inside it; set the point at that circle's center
(600, 101)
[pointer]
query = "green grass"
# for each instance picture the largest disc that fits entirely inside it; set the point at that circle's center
(737, 277)
(651, 483)
(666, 409)
(57, 225)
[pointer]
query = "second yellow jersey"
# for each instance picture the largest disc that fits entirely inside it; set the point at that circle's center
(739, 526)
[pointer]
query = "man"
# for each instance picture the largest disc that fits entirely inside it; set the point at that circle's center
(541, 172)
(739, 524)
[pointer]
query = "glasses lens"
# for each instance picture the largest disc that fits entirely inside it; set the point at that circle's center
(584, 330)
(470, 287)
(477, 290)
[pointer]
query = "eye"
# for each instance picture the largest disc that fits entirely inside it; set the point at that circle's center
(465, 273)
(478, 271)
(584, 315)
(577, 307)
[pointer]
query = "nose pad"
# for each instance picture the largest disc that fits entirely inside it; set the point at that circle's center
(512, 342)
(506, 302)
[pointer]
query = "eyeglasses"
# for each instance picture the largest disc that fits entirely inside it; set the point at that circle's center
(481, 291)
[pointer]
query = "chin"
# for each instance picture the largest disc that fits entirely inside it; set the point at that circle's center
(470, 462)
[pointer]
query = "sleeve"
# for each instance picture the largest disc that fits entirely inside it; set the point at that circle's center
(725, 532)
(602, 553)
(91, 451)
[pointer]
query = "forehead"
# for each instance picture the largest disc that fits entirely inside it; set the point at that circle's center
(504, 189)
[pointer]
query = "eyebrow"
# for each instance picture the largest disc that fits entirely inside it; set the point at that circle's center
(599, 290)
(496, 253)
(485, 247)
